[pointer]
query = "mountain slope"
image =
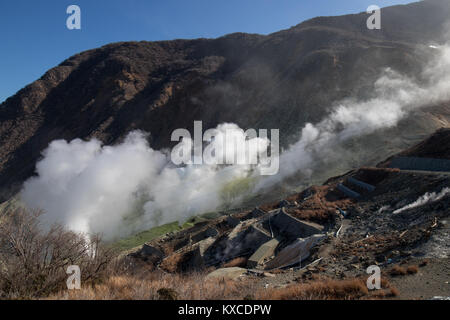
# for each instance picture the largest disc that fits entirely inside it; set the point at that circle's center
(282, 80)
(402, 221)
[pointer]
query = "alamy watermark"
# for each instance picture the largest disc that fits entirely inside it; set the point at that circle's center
(374, 21)
(73, 22)
(374, 281)
(74, 279)
(227, 145)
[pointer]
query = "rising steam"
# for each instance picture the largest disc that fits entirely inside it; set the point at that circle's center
(395, 97)
(423, 200)
(129, 187)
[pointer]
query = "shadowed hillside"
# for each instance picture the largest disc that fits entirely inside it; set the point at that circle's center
(282, 80)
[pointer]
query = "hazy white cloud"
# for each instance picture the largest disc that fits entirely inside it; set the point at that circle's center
(394, 97)
(118, 190)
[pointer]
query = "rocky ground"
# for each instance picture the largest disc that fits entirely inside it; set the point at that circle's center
(395, 219)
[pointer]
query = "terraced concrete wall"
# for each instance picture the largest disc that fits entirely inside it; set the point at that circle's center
(264, 252)
(243, 242)
(287, 225)
(208, 233)
(420, 164)
(361, 184)
(348, 192)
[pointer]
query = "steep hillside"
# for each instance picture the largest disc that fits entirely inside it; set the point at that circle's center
(398, 221)
(282, 80)
(437, 146)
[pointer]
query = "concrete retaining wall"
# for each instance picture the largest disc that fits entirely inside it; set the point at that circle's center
(198, 259)
(265, 251)
(287, 225)
(350, 193)
(420, 164)
(240, 243)
(295, 253)
(361, 184)
(208, 233)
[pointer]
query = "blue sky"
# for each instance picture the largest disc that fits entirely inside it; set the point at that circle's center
(34, 37)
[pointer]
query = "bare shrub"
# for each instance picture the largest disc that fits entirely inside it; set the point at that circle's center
(412, 269)
(398, 271)
(33, 262)
(394, 292)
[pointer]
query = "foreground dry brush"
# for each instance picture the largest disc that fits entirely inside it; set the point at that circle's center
(155, 285)
(33, 264)
(34, 260)
(158, 285)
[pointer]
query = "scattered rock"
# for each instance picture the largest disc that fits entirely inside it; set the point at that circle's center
(227, 273)
(268, 275)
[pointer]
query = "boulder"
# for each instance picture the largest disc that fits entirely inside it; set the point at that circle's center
(227, 273)
(264, 252)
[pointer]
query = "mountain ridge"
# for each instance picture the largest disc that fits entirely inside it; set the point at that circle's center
(281, 80)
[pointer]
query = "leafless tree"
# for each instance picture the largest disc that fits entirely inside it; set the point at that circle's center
(33, 262)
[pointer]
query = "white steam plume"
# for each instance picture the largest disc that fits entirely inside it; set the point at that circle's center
(395, 97)
(130, 187)
(426, 198)
(126, 188)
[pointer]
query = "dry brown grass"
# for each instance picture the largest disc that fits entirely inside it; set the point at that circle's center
(184, 287)
(158, 285)
(386, 291)
(412, 269)
(402, 271)
(318, 290)
(394, 292)
(320, 207)
(173, 262)
(398, 271)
